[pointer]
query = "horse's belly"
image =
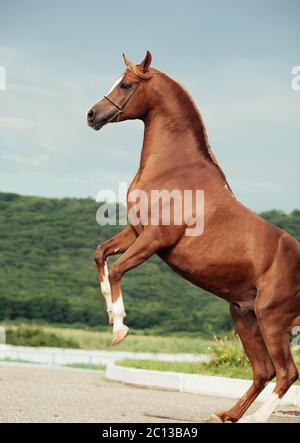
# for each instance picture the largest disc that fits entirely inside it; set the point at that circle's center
(228, 278)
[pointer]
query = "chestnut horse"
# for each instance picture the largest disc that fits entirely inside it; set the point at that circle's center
(240, 257)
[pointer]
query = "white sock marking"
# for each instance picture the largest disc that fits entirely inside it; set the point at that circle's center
(263, 414)
(105, 289)
(118, 312)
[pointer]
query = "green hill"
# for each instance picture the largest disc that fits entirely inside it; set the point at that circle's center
(47, 271)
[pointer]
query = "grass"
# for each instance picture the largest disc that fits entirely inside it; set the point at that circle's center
(135, 342)
(186, 367)
(227, 360)
(30, 336)
(86, 366)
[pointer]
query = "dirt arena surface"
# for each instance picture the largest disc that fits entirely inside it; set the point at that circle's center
(38, 394)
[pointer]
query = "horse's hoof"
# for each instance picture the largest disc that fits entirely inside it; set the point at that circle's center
(119, 335)
(110, 318)
(213, 419)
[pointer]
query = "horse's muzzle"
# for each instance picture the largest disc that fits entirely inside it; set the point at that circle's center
(93, 121)
(100, 114)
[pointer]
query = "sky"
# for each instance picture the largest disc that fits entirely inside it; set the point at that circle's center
(235, 58)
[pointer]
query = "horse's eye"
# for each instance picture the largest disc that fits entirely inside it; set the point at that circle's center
(124, 86)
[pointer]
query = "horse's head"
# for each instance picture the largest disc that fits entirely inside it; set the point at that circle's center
(127, 99)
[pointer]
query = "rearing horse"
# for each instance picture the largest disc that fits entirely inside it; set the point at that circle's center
(240, 257)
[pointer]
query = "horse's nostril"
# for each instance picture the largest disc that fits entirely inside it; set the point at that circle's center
(90, 115)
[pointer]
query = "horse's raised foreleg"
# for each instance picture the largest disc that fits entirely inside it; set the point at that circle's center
(151, 240)
(262, 366)
(115, 245)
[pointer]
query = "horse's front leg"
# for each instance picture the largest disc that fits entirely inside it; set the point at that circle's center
(115, 245)
(150, 241)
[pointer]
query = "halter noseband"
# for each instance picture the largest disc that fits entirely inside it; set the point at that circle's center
(120, 108)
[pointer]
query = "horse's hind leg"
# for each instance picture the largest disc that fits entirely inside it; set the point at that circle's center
(262, 367)
(277, 339)
(277, 306)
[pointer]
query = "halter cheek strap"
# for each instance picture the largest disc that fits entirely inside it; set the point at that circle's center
(120, 108)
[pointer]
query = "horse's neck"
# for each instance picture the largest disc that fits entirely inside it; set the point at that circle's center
(175, 139)
(162, 140)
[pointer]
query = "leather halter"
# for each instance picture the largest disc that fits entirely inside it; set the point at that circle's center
(120, 108)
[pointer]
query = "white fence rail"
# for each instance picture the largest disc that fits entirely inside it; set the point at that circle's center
(62, 356)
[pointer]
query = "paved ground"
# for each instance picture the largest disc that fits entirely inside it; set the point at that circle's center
(31, 394)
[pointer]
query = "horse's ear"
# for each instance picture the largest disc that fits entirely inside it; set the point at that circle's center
(144, 65)
(126, 61)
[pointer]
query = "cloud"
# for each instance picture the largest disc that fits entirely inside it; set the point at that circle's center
(27, 162)
(7, 54)
(15, 123)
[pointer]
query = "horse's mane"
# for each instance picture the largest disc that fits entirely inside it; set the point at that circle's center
(209, 152)
(206, 148)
